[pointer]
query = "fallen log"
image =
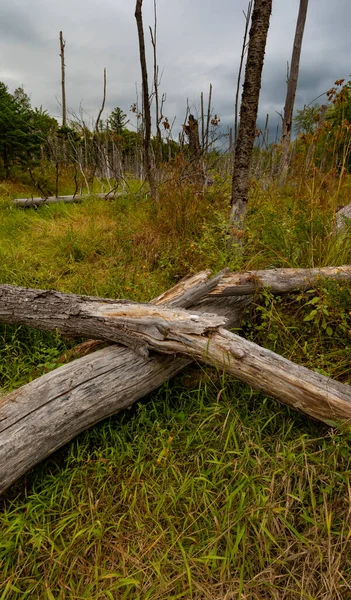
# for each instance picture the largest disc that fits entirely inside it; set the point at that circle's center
(78, 315)
(342, 217)
(40, 417)
(45, 414)
(279, 281)
(144, 327)
(35, 202)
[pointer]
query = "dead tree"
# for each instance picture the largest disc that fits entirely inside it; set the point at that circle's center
(158, 112)
(292, 85)
(208, 119)
(247, 16)
(63, 87)
(102, 105)
(146, 101)
(43, 415)
(248, 113)
(192, 132)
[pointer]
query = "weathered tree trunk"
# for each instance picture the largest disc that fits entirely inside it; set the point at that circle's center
(342, 216)
(102, 105)
(292, 85)
(63, 86)
(247, 16)
(192, 132)
(158, 116)
(146, 101)
(208, 119)
(43, 415)
(279, 281)
(30, 202)
(248, 113)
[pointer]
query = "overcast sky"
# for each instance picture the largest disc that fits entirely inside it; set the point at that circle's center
(199, 42)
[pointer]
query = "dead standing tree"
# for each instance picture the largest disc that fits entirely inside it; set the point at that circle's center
(63, 88)
(192, 132)
(146, 102)
(156, 84)
(292, 85)
(247, 16)
(248, 113)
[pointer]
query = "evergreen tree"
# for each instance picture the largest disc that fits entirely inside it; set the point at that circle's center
(117, 120)
(19, 142)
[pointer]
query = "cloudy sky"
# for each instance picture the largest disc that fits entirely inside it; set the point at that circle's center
(199, 42)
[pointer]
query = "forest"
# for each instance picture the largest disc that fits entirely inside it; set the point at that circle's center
(175, 340)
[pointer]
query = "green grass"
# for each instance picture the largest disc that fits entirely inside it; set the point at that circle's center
(206, 489)
(213, 492)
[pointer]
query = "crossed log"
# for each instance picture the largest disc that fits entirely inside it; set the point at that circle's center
(158, 340)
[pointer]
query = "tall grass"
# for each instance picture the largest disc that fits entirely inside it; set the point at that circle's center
(206, 489)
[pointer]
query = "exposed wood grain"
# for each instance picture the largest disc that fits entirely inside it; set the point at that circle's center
(121, 322)
(279, 281)
(42, 416)
(316, 395)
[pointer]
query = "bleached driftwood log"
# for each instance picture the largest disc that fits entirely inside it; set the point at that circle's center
(279, 281)
(43, 415)
(342, 217)
(30, 202)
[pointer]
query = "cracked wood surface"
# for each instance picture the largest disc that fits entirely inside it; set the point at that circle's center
(43, 415)
(46, 413)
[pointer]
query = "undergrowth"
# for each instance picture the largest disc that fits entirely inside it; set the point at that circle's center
(206, 489)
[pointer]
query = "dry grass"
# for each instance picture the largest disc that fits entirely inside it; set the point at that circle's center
(205, 490)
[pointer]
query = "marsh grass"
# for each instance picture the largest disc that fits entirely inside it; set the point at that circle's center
(206, 489)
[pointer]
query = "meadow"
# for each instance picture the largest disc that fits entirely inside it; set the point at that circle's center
(205, 489)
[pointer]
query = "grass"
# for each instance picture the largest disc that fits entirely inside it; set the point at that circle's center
(206, 489)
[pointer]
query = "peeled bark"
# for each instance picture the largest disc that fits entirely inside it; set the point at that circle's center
(278, 281)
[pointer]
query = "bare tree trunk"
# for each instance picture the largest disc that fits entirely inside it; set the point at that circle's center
(63, 88)
(202, 122)
(102, 106)
(243, 50)
(146, 101)
(192, 131)
(208, 118)
(292, 85)
(158, 117)
(248, 113)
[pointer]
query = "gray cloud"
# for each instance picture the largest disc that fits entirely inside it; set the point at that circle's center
(198, 42)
